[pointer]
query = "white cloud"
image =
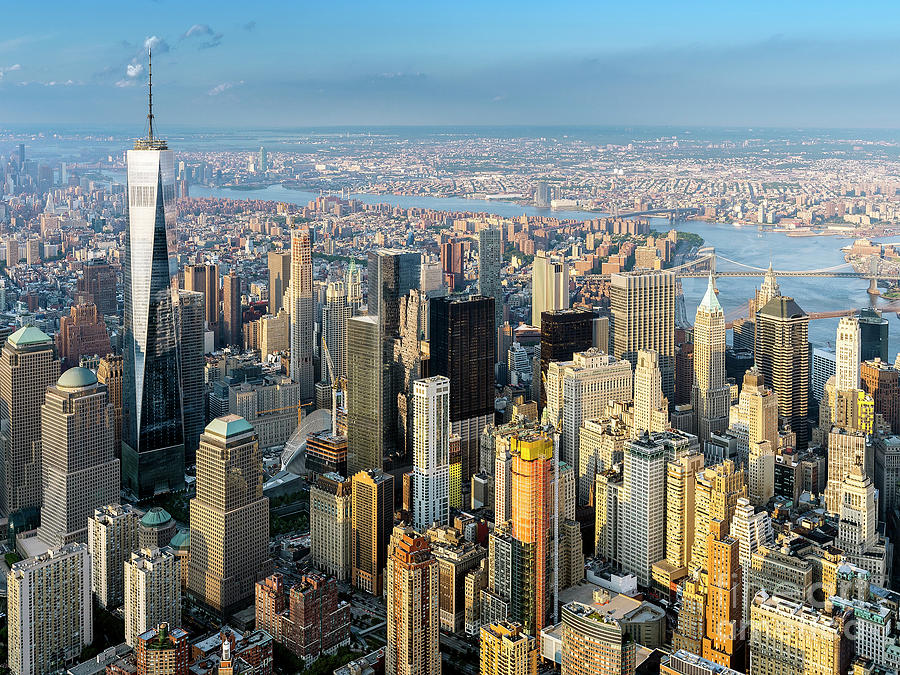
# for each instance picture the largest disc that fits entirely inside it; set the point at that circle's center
(209, 38)
(222, 88)
(157, 44)
(9, 69)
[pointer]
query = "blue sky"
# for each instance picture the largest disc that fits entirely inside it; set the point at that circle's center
(331, 62)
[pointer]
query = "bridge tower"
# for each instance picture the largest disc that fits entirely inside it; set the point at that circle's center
(873, 282)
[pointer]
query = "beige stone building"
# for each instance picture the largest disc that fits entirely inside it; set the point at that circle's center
(413, 627)
(791, 637)
(229, 548)
(331, 525)
(28, 365)
(81, 472)
(507, 650)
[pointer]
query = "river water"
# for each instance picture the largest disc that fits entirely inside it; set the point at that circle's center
(744, 244)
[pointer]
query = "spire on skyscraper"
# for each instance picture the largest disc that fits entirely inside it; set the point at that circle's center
(710, 302)
(150, 143)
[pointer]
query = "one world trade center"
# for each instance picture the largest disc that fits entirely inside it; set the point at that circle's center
(152, 418)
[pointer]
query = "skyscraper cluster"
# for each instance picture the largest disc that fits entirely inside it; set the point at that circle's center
(606, 489)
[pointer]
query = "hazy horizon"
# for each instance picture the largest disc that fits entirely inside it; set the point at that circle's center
(220, 65)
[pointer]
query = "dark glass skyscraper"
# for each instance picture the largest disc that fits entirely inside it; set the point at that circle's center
(782, 355)
(393, 273)
(564, 332)
(153, 425)
(462, 349)
(873, 335)
(191, 311)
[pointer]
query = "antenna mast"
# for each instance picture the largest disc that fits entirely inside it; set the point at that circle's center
(150, 92)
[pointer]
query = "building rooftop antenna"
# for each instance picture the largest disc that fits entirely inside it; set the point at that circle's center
(150, 143)
(150, 93)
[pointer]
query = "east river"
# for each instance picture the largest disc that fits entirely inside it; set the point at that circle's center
(743, 244)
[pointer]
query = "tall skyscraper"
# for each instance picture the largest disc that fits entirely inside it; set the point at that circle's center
(651, 411)
(641, 526)
(782, 354)
(112, 536)
(152, 591)
(564, 332)
(393, 273)
(111, 372)
(593, 644)
(51, 617)
(354, 289)
(98, 285)
(303, 313)
(881, 381)
(643, 318)
(153, 430)
(335, 314)
(462, 349)
(755, 418)
(490, 260)
(532, 504)
(229, 517)
(81, 333)
(279, 279)
(365, 400)
(768, 290)
(263, 160)
(28, 365)
(679, 529)
(80, 469)
(191, 366)
(753, 529)
(411, 359)
(331, 525)
(847, 354)
(717, 490)
(413, 590)
(204, 278)
(549, 286)
(452, 263)
(874, 335)
(506, 650)
(858, 512)
(232, 324)
(580, 390)
(373, 521)
(711, 395)
(431, 452)
(723, 642)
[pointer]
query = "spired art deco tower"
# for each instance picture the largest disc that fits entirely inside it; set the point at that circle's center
(153, 426)
(711, 394)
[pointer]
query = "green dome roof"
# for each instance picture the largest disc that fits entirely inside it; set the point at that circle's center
(181, 540)
(76, 378)
(28, 336)
(156, 517)
(228, 426)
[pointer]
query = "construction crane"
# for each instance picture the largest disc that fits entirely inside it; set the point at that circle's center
(336, 384)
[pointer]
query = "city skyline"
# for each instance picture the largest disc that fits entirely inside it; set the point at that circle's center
(397, 402)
